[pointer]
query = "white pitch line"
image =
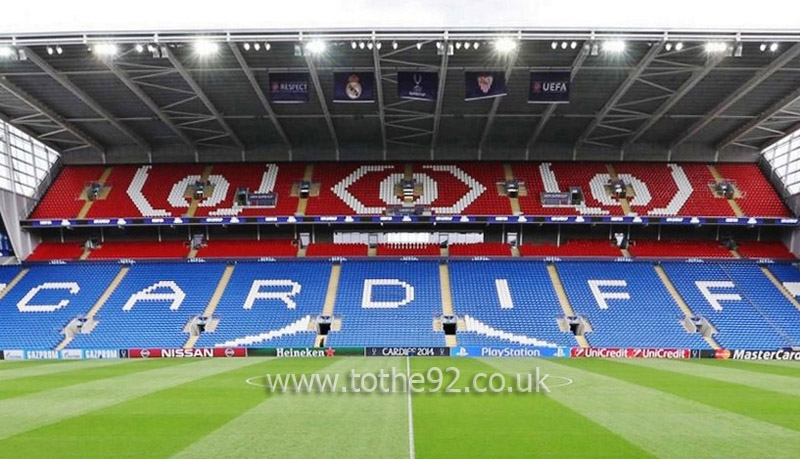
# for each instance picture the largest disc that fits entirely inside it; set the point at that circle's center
(411, 453)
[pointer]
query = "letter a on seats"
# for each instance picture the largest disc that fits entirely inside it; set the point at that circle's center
(176, 296)
(24, 304)
(714, 298)
(282, 295)
(601, 296)
(368, 302)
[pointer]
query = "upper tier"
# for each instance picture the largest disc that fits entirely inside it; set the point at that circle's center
(465, 188)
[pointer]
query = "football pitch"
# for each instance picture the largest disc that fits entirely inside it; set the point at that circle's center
(218, 408)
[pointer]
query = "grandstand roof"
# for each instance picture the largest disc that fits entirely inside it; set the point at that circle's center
(646, 102)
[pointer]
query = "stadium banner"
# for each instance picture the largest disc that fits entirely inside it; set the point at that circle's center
(47, 354)
(407, 352)
(2, 355)
(94, 354)
(549, 88)
(417, 85)
(180, 352)
(288, 88)
(484, 85)
(630, 353)
(305, 352)
(517, 351)
(745, 354)
(354, 87)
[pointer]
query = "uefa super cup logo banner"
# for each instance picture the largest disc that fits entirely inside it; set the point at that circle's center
(549, 88)
(484, 85)
(417, 85)
(288, 88)
(354, 87)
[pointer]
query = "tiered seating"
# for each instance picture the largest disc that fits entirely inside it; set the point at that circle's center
(117, 203)
(66, 291)
(151, 321)
(703, 203)
(269, 320)
(329, 249)
(759, 198)
(454, 190)
(408, 249)
(667, 184)
(526, 316)
(376, 320)
(226, 248)
(359, 185)
(112, 250)
(553, 177)
(682, 249)
(572, 248)
(774, 250)
(62, 199)
(56, 251)
(647, 317)
(738, 321)
(487, 249)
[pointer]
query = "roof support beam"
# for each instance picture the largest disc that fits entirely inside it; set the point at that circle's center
(437, 113)
(774, 109)
(35, 104)
(577, 63)
(312, 70)
(496, 103)
(64, 81)
(136, 90)
(786, 57)
(376, 57)
(202, 96)
(695, 78)
(633, 76)
(248, 72)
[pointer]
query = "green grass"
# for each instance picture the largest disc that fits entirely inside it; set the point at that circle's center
(204, 409)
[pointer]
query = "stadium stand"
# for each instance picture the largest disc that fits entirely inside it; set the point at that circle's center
(408, 249)
(759, 198)
(113, 250)
(62, 199)
(270, 304)
(510, 304)
(573, 248)
(710, 292)
(35, 311)
(487, 249)
(56, 251)
(682, 249)
(151, 306)
(773, 249)
(388, 303)
(329, 249)
(626, 303)
(222, 248)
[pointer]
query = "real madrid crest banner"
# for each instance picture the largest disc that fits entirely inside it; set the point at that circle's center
(484, 85)
(417, 85)
(549, 88)
(354, 87)
(288, 88)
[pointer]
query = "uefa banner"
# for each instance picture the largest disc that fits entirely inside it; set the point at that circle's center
(354, 87)
(515, 351)
(417, 85)
(288, 88)
(484, 85)
(549, 88)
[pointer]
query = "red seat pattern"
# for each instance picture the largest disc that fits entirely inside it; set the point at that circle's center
(56, 251)
(223, 248)
(573, 248)
(488, 249)
(140, 249)
(329, 249)
(395, 250)
(760, 199)
(62, 198)
(460, 188)
(680, 249)
(774, 250)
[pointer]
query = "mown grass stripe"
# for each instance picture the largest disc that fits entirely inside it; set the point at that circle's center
(778, 383)
(156, 424)
(735, 401)
(31, 411)
(56, 367)
(631, 402)
(319, 425)
(76, 373)
(504, 424)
